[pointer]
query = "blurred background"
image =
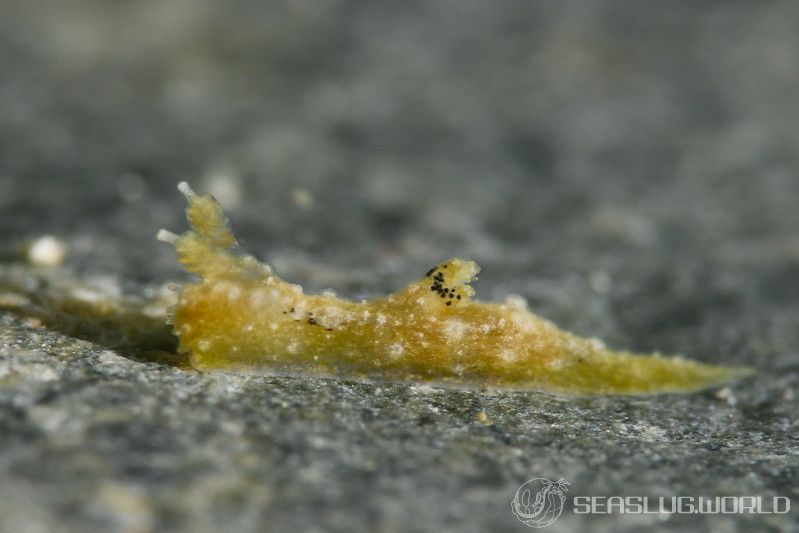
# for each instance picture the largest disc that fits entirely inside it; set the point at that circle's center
(598, 139)
(377, 135)
(629, 168)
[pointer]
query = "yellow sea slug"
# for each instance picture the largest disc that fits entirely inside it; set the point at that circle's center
(242, 316)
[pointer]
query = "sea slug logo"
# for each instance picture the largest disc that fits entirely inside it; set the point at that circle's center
(539, 502)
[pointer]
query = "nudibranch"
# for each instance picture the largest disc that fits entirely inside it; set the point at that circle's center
(241, 316)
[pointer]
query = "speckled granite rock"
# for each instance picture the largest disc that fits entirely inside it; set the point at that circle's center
(631, 172)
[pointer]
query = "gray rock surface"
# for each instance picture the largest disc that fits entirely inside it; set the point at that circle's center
(630, 169)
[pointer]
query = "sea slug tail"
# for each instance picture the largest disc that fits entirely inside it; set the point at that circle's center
(624, 373)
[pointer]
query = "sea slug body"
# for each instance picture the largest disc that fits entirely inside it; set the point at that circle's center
(241, 316)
